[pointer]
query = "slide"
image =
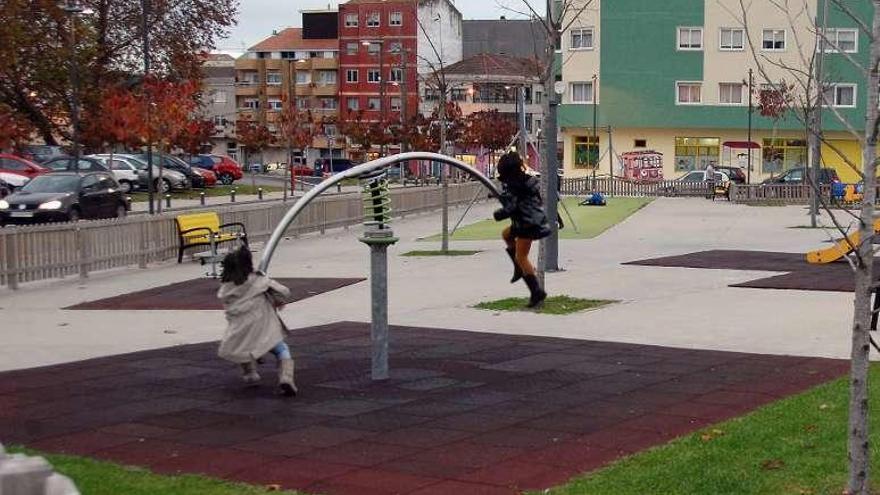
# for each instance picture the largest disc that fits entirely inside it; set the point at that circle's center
(840, 248)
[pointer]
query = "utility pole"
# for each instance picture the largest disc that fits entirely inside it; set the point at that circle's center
(382, 105)
(521, 122)
(551, 243)
(404, 107)
(292, 111)
(814, 134)
(73, 9)
(145, 7)
(751, 113)
(595, 140)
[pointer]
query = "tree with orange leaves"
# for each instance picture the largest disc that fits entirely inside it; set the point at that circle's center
(14, 131)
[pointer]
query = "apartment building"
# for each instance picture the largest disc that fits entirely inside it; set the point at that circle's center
(218, 102)
(673, 77)
(294, 64)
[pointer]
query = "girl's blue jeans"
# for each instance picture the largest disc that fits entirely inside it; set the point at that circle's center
(281, 351)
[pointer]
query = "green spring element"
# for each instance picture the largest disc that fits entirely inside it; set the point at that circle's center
(377, 203)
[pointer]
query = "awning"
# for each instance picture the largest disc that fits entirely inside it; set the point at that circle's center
(742, 145)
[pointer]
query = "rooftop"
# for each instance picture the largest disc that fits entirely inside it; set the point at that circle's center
(495, 65)
(291, 39)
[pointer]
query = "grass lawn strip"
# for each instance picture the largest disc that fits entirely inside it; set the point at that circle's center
(415, 254)
(590, 220)
(211, 192)
(104, 478)
(794, 446)
(554, 305)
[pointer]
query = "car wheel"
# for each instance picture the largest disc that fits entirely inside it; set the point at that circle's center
(227, 179)
(73, 215)
(125, 187)
(165, 186)
(121, 211)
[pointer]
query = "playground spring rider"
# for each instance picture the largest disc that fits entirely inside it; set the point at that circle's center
(378, 236)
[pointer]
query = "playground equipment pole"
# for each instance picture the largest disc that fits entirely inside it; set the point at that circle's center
(378, 240)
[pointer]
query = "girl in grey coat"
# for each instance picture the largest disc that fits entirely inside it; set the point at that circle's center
(251, 302)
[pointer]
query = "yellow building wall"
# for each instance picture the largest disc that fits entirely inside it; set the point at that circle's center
(835, 155)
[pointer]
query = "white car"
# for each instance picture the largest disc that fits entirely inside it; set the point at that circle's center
(125, 172)
(10, 182)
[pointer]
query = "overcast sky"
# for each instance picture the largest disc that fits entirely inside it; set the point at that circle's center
(257, 18)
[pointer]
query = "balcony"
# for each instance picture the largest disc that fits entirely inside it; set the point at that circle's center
(325, 90)
(247, 89)
(247, 64)
(324, 63)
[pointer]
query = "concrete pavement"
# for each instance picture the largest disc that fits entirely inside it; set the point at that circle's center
(676, 307)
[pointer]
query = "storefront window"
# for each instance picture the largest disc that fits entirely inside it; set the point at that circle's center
(781, 154)
(586, 152)
(693, 153)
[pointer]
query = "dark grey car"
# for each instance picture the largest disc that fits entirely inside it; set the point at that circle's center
(65, 197)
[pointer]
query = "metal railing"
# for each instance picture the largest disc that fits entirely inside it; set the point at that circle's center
(34, 253)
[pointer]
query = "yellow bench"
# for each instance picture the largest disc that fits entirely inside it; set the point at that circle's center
(204, 229)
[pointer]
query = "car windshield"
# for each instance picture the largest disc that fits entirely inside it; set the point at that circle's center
(52, 183)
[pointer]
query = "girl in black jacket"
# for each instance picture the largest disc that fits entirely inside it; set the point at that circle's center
(522, 204)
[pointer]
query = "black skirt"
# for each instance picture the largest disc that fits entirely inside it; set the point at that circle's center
(533, 232)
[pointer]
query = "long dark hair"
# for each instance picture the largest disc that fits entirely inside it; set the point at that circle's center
(237, 266)
(510, 169)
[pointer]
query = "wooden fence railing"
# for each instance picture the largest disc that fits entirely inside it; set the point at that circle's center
(621, 187)
(41, 252)
(783, 194)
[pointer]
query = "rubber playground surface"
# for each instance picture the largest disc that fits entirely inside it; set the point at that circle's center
(201, 294)
(800, 275)
(464, 412)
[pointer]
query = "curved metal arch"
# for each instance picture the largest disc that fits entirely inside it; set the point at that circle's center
(358, 172)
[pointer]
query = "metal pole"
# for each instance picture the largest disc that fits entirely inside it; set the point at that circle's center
(595, 131)
(73, 10)
(751, 111)
(378, 241)
(521, 121)
(815, 134)
(291, 108)
(551, 243)
(444, 214)
(384, 118)
(151, 190)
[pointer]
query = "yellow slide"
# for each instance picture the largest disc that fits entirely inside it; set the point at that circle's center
(840, 249)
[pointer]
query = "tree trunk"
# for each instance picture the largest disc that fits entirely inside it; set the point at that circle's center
(859, 452)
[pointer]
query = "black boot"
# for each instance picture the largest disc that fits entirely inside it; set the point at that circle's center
(537, 293)
(517, 271)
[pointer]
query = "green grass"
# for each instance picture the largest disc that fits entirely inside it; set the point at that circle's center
(794, 446)
(591, 220)
(219, 190)
(555, 305)
(105, 478)
(451, 252)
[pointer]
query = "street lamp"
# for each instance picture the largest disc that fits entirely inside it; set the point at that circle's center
(382, 117)
(73, 9)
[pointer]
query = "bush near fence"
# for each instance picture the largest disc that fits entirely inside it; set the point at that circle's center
(42, 252)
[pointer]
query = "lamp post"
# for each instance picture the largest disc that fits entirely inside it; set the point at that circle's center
(73, 9)
(751, 111)
(595, 140)
(382, 117)
(145, 6)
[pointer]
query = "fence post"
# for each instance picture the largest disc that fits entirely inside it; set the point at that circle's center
(323, 216)
(83, 256)
(142, 243)
(202, 198)
(12, 260)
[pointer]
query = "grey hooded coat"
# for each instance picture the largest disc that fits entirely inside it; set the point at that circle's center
(254, 327)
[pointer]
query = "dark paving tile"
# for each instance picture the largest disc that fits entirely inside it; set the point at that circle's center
(463, 412)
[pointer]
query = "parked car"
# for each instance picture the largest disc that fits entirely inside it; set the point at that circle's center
(65, 196)
(700, 176)
(173, 163)
(226, 169)
(39, 153)
(12, 164)
(171, 180)
(209, 178)
(323, 166)
(690, 183)
(10, 182)
(736, 174)
(798, 176)
(68, 164)
(124, 170)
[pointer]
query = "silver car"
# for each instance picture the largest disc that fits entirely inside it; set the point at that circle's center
(171, 179)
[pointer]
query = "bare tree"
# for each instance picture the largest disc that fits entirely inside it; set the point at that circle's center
(812, 85)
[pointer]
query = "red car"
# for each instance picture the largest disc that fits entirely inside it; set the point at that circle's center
(225, 168)
(16, 165)
(210, 177)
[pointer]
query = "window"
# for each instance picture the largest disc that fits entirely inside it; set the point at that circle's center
(327, 77)
(539, 97)
(582, 92)
(251, 103)
(330, 55)
(373, 19)
(640, 143)
(458, 94)
(773, 40)
(395, 19)
(303, 77)
(302, 102)
(351, 20)
(329, 103)
(353, 104)
(690, 38)
(373, 76)
(374, 48)
(396, 75)
(395, 47)
(695, 153)
(351, 48)
(730, 93)
(351, 75)
(273, 78)
(732, 39)
(395, 104)
(689, 93)
(330, 130)
(582, 39)
(780, 154)
(841, 95)
(839, 40)
(275, 104)
(373, 103)
(586, 152)
(219, 97)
